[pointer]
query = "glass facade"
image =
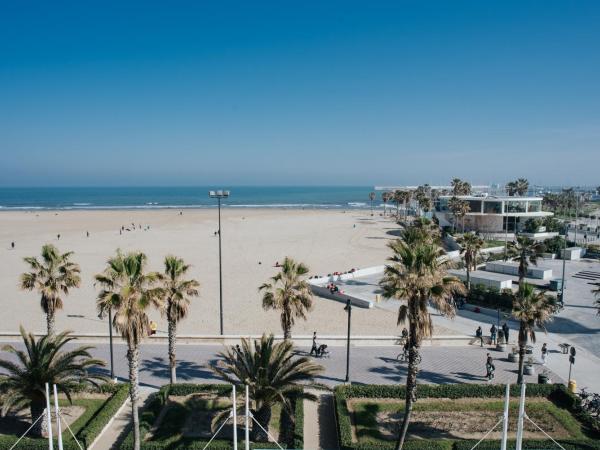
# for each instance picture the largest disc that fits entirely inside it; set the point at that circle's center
(515, 206)
(535, 206)
(492, 207)
(474, 205)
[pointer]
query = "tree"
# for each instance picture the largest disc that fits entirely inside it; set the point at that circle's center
(470, 247)
(417, 276)
(511, 188)
(522, 186)
(398, 197)
(526, 251)
(460, 187)
(178, 294)
(272, 373)
(426, 204)
(455, 206)
(532, 309)
(385, 197)
(371, 198)
(129, 291)
(44, 361)
(288, 293)
(52, 276)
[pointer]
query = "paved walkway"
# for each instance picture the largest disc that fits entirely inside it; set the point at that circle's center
(112, 437)
(319, 422)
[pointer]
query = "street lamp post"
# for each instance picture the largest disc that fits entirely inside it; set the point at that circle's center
(348, 309)
(219, 195)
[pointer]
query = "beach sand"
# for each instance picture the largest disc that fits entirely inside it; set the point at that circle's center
(325, 240)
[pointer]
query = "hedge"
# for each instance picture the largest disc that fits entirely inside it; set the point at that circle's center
(557, 393)
(158, 400)
(90, 430)
(491, 298)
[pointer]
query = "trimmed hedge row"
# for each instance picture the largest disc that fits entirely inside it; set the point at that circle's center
(87, 433)
(157, 401)
(557, 393)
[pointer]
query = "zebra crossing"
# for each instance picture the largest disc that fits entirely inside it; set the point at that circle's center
(588, 275)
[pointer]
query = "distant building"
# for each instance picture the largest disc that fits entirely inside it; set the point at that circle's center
(492, 214)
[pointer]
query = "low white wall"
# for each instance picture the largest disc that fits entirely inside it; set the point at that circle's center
(347, 276)
(322, 291)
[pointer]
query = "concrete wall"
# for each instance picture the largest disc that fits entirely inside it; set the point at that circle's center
(511, 268)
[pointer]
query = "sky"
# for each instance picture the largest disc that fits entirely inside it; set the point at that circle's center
(298, 92)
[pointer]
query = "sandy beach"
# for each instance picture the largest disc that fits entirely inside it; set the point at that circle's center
(253, 240)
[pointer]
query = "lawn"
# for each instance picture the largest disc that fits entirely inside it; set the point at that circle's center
(377, 420)
(493, 243)
(456, 416)
(185, 416)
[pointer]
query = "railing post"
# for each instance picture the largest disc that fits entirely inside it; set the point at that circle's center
(505, 418)
(521, 417)
(235, 443)
(49, 418)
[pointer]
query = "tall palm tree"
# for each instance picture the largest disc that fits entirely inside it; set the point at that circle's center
(426, 204)
(398, 197)
(371, 198)
(178, 294)
(406, 198)
(470, 247)
(522, 186)
(52, 276)
(44, 361)
(455, 206)
(460, 187)
(417, 276)
(526, 251)
(129, 291)
(511, 188)
(385, 197)
(288, 293)
(532, 309)
(272, 373)
(465, 208)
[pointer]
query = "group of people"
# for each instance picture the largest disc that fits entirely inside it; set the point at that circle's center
(333, 288)
(497, 336)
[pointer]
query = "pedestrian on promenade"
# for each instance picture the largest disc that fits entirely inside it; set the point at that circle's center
(404, 334)
(12, 245)
(493, 332)
(315, 347)
(489, 367)
(506, 330)
(544, 353)
(479, 335)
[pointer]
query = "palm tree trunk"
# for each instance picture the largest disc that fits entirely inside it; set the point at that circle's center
(411, 388)
(38, 408)
(522, 345)
(50, 322)
(262, 416)
(133, 355)
(286, 324)
(172, 339)
(468, 277)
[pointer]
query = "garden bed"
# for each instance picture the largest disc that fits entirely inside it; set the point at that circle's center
(180, 417)
(86, 416)
(456, 416)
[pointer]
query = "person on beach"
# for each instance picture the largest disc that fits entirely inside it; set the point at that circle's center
(493, 332)
(506, 330)
(58, 237)
(544, 354)
(489, 367)
(479, 335)
(87, 234)
(12, 245)
(315, 347)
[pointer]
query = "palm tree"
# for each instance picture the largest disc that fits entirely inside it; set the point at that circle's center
(417, 276)
(178, 293)
(455, 205)
(130, 291)
(289, 293)
(385, 197)
(522, 186)
(426, 204)
(44, 361)
(470, 246)
(372, 197)
(525, 251)
(465, 208)
(398, 197)
(511, 188)
(52, 276)
(406, 198)
(460, 187)
(532, 309)
(272, 373)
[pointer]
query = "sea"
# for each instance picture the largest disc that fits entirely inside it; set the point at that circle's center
(100, 198)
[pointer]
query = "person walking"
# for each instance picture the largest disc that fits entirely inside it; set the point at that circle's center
(506, 330)
(489, 367)
(493, 333)
(314, 347)
(544, 354)
(479, 335)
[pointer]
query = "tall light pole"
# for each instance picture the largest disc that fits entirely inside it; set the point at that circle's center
(219, 195)
(348, 309)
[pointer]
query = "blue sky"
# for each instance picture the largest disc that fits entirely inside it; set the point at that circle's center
(290, 92)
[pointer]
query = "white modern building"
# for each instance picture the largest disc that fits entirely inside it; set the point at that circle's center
(492, 214)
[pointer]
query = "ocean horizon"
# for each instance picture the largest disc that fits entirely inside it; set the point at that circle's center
(107, 198)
